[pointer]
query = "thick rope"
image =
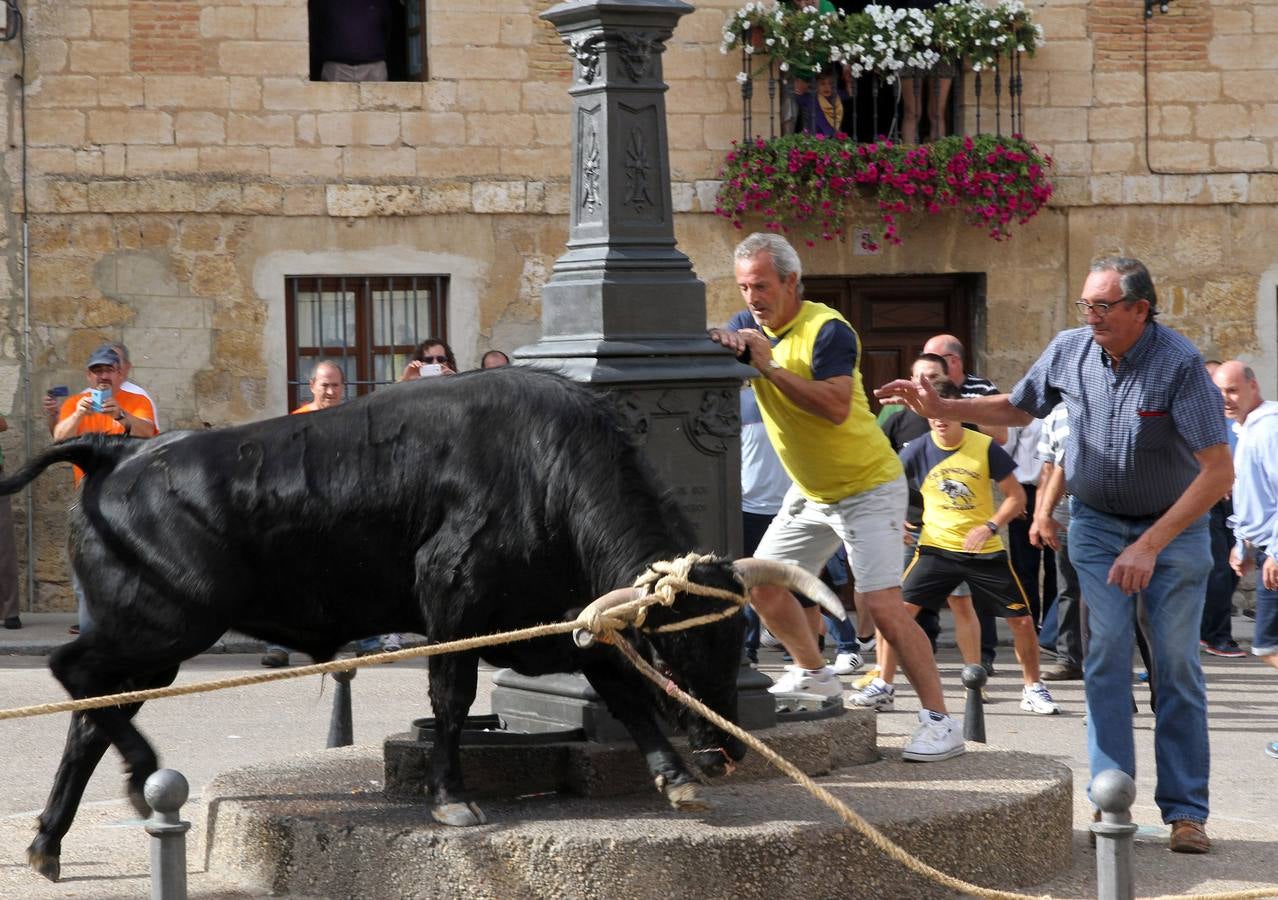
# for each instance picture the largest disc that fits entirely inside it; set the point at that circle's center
(881, 841)
(606, 618)
(603, 618)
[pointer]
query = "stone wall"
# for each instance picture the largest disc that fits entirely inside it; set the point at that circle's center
(180, 164)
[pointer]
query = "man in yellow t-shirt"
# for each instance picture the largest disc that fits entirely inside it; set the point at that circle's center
(848, 484)
(955, 469)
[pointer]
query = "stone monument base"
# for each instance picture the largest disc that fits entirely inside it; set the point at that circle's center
(320, 825)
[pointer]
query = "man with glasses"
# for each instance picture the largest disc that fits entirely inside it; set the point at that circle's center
(1146, 458)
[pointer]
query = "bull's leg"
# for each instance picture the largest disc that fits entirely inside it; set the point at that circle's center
(86, 670)
(453, 679)
(80, 757)
(630, 701)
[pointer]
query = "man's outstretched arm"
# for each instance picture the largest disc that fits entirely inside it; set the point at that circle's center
(921, 397)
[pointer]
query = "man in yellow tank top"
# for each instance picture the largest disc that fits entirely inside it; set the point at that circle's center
(848, 484)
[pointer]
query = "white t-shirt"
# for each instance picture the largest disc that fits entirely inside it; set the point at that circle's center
(134, 389)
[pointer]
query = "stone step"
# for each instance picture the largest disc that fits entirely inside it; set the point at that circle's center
(321, 826)
(590, 769)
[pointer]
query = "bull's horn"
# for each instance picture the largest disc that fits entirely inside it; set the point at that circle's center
(753, 572)
(593, 614)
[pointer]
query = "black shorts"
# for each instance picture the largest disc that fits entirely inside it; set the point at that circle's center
(933, 574)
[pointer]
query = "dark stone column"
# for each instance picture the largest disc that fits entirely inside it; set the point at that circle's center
(623, 309)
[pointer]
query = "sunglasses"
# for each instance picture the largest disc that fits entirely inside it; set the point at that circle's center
(433, 359)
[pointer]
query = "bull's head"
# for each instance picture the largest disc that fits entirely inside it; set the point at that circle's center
(705, 660)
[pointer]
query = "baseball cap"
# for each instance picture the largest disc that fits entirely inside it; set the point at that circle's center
(103, 356)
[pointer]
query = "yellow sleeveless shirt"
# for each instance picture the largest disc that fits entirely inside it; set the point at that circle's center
(827, 462)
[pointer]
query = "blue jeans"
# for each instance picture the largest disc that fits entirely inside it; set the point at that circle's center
(1174, 605)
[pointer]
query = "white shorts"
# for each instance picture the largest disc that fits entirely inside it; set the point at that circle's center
(806, 533)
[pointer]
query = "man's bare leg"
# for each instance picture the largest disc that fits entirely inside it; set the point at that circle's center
(1026, 646)
(864, 618)
(910, 644)
(967, 629)
(789, 623)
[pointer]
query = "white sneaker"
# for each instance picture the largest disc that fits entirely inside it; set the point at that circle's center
(878, 694)
(799, 682)
(1036, 698)
(768, 639)
(847, 663)
(939, 737)
(867, 646)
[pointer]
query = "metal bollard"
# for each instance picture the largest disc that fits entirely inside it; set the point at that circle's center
(165, 792)
(1114, 792)
(974, 679)
(341, 727)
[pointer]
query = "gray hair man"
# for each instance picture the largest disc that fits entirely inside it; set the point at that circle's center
(849, 486)
(1145, 459)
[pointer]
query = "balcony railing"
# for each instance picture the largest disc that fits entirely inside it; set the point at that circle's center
(876, 104)
(978, 48)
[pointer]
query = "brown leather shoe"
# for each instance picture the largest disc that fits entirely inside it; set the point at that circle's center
(1188, 836)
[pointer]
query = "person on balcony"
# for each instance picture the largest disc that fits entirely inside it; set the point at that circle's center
(919, 87)
(821, 111)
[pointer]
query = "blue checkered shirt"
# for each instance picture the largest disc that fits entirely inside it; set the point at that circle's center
(1134, 428)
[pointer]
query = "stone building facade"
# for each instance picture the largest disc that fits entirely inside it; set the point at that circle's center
(180, 165)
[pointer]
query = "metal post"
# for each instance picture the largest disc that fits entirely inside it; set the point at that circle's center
(1114, 792)
(976, 90)
(165, 792)
(998, 98)
(341, 729)
(974, 678)
(747, 92)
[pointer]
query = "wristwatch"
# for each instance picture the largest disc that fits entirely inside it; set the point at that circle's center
(992, 527)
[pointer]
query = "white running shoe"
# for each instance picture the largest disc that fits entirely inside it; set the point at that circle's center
(878, 694)
(939, 737)
(868, 645)
(847, 663)
(768, 639)
(799, 682)
(1036, 698)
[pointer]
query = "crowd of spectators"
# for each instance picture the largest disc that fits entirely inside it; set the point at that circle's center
(1127, 524)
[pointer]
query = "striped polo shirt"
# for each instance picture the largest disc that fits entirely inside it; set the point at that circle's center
(1134, 426)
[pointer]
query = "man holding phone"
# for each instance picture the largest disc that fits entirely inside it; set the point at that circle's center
(105, 407)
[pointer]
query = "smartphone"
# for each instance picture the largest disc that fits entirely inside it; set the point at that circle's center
(60, 391)
(99, 396)
(431, 369)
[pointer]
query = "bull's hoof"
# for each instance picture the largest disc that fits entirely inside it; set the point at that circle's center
(46, 864)
(687, 797)
(461, 815)
(138, 801)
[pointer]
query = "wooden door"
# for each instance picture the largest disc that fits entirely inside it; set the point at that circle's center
(896, 315)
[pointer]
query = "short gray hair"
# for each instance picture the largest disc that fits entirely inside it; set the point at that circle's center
(785, 259)
(1133, 279)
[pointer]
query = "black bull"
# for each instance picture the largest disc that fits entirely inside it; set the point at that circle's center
(448, 507)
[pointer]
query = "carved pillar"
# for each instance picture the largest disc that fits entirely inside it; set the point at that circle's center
(623, 309)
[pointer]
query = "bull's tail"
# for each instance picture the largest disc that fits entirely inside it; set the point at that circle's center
(91, 452)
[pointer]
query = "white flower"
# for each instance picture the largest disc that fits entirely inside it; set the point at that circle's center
(785, 67)
(770, 41)
(742, 78)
